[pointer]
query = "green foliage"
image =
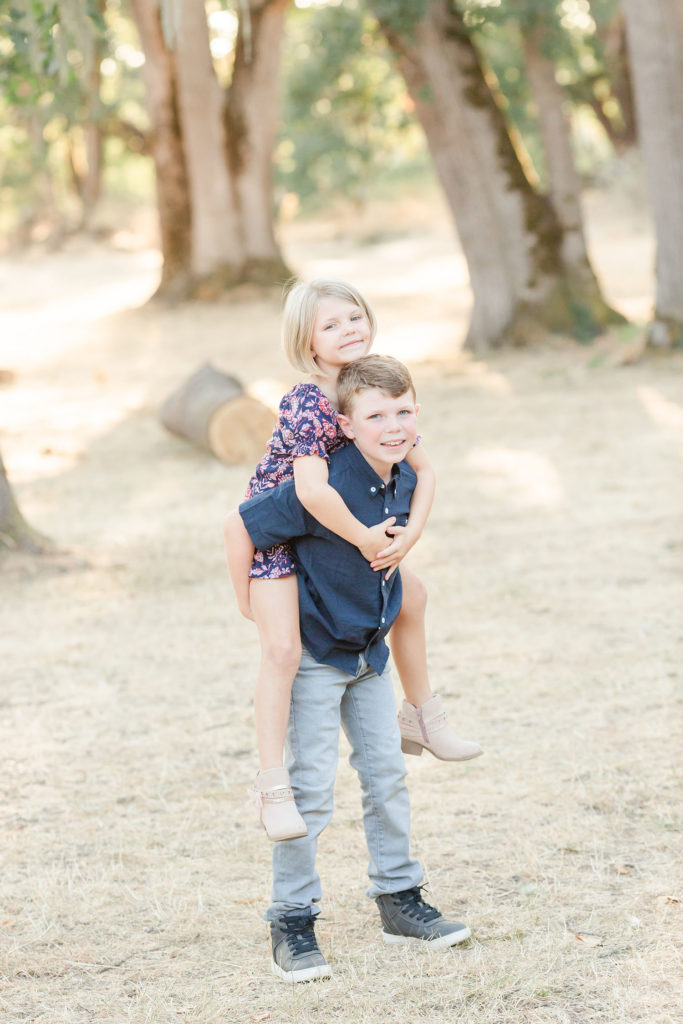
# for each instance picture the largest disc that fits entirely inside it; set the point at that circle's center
(347, 117)
(47, 48)
(573, 34)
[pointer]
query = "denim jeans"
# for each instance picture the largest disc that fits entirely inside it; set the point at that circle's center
(324, 697)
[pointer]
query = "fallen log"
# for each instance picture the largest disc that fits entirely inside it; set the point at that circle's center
(213, 411)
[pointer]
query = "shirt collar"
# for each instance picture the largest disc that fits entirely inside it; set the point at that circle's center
(371, 480)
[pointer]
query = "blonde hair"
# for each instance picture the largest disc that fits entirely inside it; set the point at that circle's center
(381, 372)
(301, 308)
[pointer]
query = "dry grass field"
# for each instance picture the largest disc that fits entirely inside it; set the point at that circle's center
(132, 877)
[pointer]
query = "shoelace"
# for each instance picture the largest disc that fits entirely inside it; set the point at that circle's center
(414, 906)
(299, 934)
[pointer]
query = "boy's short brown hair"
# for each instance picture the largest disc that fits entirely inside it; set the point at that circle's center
(382, 372)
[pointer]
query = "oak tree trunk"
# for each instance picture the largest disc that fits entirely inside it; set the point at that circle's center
(172, 185)
(655, 34)
(251, 118)
(15, 532)
(510, 234)
(217, 241)
(564, 182)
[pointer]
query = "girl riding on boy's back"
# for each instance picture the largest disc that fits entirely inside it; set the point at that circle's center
(327, 324)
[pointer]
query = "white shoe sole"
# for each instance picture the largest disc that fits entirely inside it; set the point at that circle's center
(442, 942)
(308, 974)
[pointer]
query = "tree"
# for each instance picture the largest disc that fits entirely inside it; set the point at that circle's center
(49, 74)
(15, 532)
(213, 145)
(510, 234)
(655, 34)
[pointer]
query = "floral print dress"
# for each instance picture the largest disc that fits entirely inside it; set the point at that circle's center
(306, 425)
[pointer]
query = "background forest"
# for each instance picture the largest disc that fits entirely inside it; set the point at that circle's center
(503, 179)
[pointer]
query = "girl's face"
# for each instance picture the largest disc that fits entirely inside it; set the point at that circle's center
(341, 333)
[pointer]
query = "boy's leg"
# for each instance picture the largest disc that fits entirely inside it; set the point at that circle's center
(369, 721)
(312, 754)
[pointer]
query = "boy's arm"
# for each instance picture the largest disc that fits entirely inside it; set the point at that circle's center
(240, 553)
(274, 516)
(328, 507)
(420, 505)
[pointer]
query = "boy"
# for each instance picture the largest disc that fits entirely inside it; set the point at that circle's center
(346, 610)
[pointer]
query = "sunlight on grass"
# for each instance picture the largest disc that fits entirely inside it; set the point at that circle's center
(661, 410)
(519, 476)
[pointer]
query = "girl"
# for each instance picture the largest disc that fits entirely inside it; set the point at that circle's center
(326, 324)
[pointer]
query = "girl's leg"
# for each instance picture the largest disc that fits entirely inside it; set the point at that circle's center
(422, 719)
(409, 642)
(275, 606)
(240, 553)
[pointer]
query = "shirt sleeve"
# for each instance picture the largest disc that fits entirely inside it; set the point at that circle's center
(274, 516)
(309, 424)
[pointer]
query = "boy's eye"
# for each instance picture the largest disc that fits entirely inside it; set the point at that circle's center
(405, 412)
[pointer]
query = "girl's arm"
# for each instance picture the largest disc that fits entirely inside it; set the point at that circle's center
(420, 505)
(327, 506)
(240, 552)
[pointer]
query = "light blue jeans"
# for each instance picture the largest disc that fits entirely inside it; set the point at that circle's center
(324, 697)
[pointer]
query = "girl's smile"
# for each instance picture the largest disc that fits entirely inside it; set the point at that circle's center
(341, 333)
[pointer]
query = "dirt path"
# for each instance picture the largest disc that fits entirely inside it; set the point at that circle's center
(133, 879)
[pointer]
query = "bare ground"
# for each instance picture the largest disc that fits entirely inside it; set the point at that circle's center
(133, 878)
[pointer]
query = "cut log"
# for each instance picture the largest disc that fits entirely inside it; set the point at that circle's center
(213, 412)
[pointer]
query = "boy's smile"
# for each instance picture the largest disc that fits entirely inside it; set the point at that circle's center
(384, 428)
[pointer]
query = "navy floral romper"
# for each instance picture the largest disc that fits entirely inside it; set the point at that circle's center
(306, 425)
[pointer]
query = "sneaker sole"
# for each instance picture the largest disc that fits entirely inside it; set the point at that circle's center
(307, 974)
(441, 942)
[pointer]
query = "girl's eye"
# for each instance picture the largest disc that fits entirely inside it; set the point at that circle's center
(405, 412)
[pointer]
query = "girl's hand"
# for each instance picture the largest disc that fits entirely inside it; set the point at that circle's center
(390, 556)
(376, 538)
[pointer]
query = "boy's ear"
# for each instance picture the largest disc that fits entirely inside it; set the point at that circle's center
(345, 424)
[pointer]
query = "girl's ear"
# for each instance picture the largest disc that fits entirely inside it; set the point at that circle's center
(345, 424)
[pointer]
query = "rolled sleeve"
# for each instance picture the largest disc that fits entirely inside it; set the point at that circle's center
(274, 516)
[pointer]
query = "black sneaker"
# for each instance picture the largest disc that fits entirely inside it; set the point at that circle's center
(296, 956)
(406, 918)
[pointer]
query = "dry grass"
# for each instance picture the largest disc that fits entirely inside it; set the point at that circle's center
(133, 883)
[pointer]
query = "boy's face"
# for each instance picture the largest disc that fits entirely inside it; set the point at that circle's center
(383, 428)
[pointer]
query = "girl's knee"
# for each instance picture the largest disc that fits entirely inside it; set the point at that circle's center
(414, 596)
(282, 653)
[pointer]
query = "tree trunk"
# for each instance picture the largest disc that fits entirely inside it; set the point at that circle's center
(655, 35)
(15, 532)
(217, 241)
(510, 235)
(564, 181)
(173, 194)
(251, 118)
(214, 192)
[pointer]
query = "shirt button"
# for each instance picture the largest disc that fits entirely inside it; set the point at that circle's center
(383, 620)
(372, 490)
(386, 510)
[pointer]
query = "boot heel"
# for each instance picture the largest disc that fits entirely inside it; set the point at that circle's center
(410, 747)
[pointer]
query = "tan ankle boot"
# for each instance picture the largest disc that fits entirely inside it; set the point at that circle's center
(426, 728)
(274, 799)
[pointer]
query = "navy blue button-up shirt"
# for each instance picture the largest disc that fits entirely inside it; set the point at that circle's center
(345, 608)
